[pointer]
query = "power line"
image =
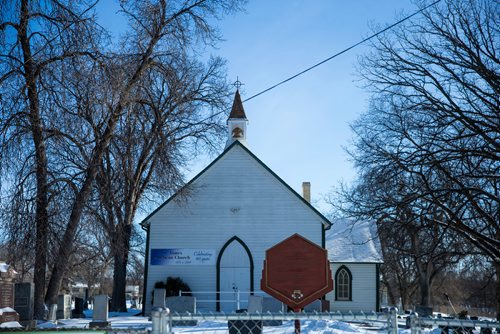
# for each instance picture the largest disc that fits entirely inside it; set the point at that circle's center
(342, 52)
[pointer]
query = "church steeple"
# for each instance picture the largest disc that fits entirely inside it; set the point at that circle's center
(237, 122)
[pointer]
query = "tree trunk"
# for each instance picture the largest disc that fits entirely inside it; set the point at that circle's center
(118, 300)
(41, 214)
(497, 289)
(425, 291)
(66, 246)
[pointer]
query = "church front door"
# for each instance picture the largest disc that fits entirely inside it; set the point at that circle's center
(234, 276)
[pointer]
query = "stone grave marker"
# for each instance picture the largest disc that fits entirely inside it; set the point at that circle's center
(259, 304)
(100, 315)
(23, 300)
(159, 297)
(53, 312)
(182, 304)
(7, 274)
(315, 306)
(63, 307)
(79, 307)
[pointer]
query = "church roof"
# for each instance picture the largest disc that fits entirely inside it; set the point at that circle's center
(237, 110)
(348, 241)
(326, 222)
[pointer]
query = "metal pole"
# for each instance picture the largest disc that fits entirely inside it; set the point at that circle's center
(237, 299)
(297, 322)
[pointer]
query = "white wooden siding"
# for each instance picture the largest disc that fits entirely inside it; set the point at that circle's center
(237, 196)
(364, 288)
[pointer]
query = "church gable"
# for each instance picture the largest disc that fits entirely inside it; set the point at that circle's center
(237, 183)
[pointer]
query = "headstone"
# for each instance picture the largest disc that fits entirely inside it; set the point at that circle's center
(182, 304)
(7, 274)
(266, 305)
(79, 307)
(315, 306)
(53, 312)
(259, 304)
(100, 315)
(159, 298)
(23, 300)
(423, 311)
(255, 304)
(63, 307)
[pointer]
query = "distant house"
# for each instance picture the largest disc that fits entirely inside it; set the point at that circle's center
(215, 238)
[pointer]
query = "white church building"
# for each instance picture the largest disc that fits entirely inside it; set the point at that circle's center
(214, 232)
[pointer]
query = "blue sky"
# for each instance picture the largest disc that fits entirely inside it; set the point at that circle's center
(300, 128)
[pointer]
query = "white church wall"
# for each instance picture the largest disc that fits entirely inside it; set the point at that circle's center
(236, 196)
(364, 288)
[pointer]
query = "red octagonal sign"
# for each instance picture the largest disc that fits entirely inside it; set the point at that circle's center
(296, 272)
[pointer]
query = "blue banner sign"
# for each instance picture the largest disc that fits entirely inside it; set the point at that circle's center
(182, 257)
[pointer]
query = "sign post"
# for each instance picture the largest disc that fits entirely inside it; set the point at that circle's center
(296, 272)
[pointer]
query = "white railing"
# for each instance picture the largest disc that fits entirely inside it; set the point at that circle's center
(239, 299)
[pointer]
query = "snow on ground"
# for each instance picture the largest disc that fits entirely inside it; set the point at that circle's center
(215, 327)
(131, 321)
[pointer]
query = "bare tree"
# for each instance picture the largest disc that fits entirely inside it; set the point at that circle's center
(176, 106)
(435, 118)
(158, 29)
(36, 37)
(76, 100)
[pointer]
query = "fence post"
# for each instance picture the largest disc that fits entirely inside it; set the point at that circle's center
(166, 321)
(414, 324)
(169, 315)
(156, 320)
(392, 321)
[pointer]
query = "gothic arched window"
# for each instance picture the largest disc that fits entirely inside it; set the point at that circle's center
(343, 284)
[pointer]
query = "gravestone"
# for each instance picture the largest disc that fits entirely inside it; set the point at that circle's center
(23, 300)
(7, 274)
(270, 304)
(182, 304)
(423, 311)
(63, 307)
(259, 304)
(53, 312)
(159, 298)
(315, 306)
(79, 307)
(100, 315)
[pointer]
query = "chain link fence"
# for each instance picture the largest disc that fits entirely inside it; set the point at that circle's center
(164, 322)
(419, 325)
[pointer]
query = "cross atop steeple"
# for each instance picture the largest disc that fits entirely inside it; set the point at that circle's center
(238, 84)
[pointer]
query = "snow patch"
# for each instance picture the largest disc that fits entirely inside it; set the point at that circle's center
(6, 309)
(11, 324)
(3, 267)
